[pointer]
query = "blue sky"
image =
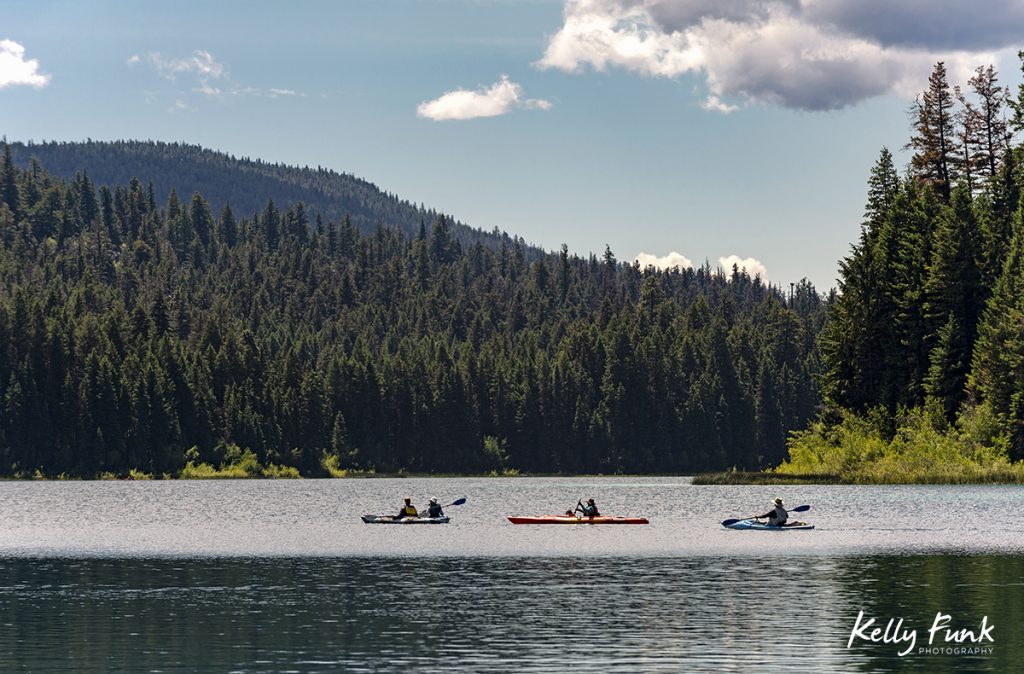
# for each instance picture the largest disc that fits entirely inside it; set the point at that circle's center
(711, 128)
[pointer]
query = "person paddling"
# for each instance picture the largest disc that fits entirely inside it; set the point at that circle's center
(434, 509)
(589, 510)
(407, 510)
(778, 515)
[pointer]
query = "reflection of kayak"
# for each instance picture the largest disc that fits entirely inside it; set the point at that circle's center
(761, 526)
(571, 519)
(391, 519)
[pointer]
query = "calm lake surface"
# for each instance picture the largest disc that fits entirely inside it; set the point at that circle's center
(283, 576)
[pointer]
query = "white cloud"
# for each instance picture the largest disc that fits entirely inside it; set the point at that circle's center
(753, 266)
(803, 54)
(669, 261)
(207, 89)
(498, 99)
(200, 63)
(716, 104)
(16, 69)
(179, 106)
(208, 76)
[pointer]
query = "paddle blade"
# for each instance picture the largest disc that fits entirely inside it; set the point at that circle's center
(800, 509)
(726, 523)
(457, 502)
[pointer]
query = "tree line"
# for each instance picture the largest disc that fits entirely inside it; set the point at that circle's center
(137, 334)
(930, 310)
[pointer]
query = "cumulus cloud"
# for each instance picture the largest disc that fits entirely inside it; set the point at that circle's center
(925, 24)
(498, 99)
(802, 54)
(753, 266)
(670, 261)
(16, 69)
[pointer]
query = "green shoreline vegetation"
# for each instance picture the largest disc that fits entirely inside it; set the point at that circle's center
(923, 450)
(858, 450)
(923, 349)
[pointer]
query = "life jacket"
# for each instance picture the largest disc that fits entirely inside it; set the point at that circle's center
(778, 516)
(435, 510)
(408, 511)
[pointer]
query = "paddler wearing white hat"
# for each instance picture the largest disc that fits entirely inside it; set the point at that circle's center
(778, 515)
(434, 509)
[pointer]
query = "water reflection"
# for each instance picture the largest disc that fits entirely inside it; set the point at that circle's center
(492, 614)
(966, 588)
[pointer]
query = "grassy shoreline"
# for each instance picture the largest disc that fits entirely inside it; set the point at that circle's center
(208, 472)
(775, 478)
(722, 478)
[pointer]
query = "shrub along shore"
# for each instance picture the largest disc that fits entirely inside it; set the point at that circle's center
(922, 449)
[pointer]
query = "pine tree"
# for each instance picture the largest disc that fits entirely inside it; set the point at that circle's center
(9, 193)
(988, 120)
(227, 228)
(202, 220)
(947, 371)
(969, 137)
(953, 300)
(1017, 121)
(997, 365)
(860, 345)
(883, 185)
(935, 156)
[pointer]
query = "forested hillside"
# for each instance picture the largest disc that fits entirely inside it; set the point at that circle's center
(144, 333)
(924, 349)
(242, 183)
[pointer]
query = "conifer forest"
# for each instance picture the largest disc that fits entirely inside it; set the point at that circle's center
(148, 326)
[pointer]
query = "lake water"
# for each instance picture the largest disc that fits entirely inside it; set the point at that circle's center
(283, 576)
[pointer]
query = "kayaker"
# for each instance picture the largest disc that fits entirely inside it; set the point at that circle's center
(589, 510)
(434, 509)
(407, 510)
(778, 515)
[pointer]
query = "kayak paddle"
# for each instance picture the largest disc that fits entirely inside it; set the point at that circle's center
(798, 509)
(458, 501)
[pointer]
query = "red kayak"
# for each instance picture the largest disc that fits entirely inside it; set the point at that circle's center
(572, 519)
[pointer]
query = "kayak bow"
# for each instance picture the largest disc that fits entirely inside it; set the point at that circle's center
(572, 519)
(391, 519)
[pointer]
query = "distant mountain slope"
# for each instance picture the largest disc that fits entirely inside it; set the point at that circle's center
(244, 183)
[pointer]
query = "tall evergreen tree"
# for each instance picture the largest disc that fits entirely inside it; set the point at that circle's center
(9, 193)
(997, 366)
(990, 120)
(935, 156)
(953, 298)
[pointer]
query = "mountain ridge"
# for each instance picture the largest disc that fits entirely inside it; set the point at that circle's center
(189, 168)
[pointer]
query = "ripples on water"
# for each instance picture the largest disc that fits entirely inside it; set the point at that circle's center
(321, 517)
(271, 576)
(484, 614)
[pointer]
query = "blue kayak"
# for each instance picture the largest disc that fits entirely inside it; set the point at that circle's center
(754, 525)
